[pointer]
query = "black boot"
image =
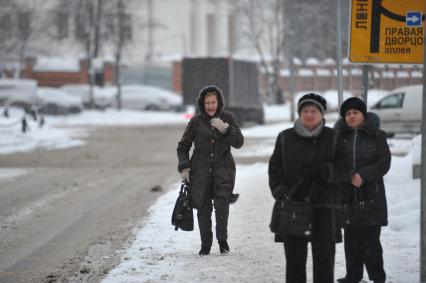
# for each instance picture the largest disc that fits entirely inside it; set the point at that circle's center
(233, 198)
(223, 247)
(204, 251)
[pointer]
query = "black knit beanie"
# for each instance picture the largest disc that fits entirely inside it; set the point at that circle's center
(314, 99)
(353, 103)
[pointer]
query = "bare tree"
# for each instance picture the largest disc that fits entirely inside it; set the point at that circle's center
(311, 27)
(18, 27)
(264, 28)
(120, 30)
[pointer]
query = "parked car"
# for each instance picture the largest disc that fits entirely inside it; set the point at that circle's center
(374, 95)
(57, 102)
(142, 97)
(102, 99)
(401, 110)
(18, 92)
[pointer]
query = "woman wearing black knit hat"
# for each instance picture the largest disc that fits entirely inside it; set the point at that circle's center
(301, 161)
(363, 149)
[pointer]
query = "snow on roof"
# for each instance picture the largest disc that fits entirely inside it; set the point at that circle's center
(416, 74)
(48, 64)
(356, 72)
(323, 72)
(394, 66)
(297, 61)
(329, 61)
(388, 74)
(311, 61)
(285, 72)
(263, 70)
(402, 74)
(306, 73)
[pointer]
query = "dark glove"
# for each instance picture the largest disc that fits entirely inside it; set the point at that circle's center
(280, 194)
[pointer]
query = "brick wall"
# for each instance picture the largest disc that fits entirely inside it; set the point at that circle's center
(60, 78)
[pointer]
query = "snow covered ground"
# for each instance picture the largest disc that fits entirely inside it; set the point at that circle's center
(160, 254)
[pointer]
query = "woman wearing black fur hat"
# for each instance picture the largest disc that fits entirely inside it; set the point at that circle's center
(365, 153)
(302, 159)
(211, 168)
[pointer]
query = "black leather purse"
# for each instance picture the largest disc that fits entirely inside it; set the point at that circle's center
(291, 217)
(358, 213)
(183, 215)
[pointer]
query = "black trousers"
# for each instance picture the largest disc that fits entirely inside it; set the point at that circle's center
(204, 215)
(296, 253)
(362, 246)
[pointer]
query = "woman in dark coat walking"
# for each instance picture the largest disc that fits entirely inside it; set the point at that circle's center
(302, 158)
(211, 169)
(366, 156)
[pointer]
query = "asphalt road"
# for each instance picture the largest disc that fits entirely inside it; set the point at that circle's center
(68, 219)
(72, 216)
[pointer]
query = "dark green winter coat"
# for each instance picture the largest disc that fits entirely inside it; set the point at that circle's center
(211, 162)
(294, 154)
(366, 151)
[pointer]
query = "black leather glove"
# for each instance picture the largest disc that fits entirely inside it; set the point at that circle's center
(281, 194)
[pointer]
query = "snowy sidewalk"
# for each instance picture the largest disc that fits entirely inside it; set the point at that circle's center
(160, 254)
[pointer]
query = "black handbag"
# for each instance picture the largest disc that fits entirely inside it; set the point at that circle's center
(292, 218)
(183, 215)
(359, 213)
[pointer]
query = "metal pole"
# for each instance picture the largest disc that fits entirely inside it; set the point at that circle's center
(365, 69)
(423, 177)
(292, 88)
(339, 55)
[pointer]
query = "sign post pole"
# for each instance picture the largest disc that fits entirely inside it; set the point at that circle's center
(393, 33)
(365, 70)
(423, 180)
(339, 55)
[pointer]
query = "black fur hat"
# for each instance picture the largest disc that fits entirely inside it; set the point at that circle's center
(353, 103)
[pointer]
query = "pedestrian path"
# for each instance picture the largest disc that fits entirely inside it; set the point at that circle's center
(160, 254)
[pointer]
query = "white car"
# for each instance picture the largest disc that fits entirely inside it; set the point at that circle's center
(18, 92)
(401, 110)
(142, 97)
(56, 101)
(101, 98)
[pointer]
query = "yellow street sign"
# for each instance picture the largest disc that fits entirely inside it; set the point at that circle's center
(387, 31)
